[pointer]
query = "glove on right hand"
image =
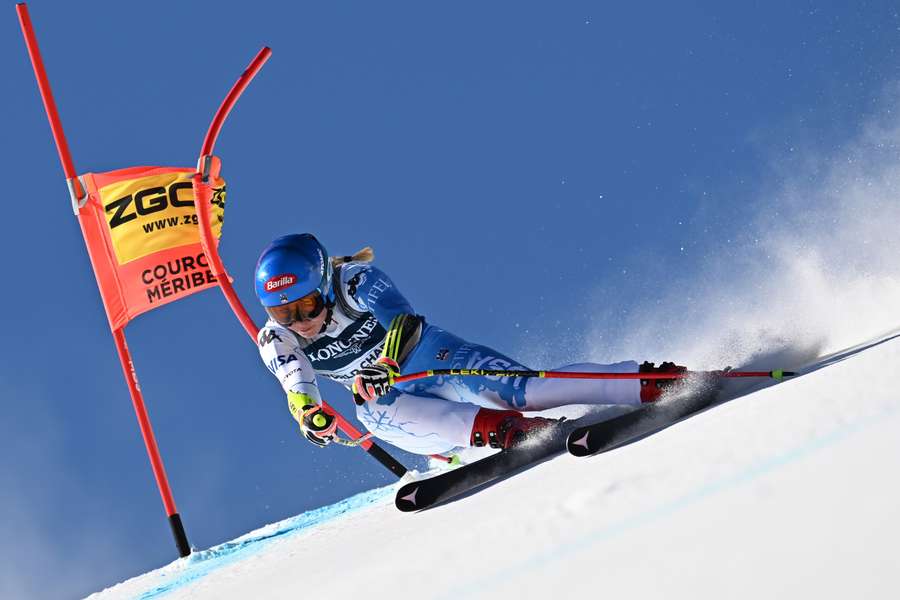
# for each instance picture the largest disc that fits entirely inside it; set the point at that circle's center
(374, 381)
(318, 426)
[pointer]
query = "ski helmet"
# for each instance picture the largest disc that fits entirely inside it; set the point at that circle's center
(291, 267)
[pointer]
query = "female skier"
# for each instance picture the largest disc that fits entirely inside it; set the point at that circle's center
(345, 319)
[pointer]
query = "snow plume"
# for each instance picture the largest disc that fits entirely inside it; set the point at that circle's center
(817, 268)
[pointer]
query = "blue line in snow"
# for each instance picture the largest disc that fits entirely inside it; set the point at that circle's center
(203, 562)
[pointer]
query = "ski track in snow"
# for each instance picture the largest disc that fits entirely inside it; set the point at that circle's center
(547, 557)
(723, 456)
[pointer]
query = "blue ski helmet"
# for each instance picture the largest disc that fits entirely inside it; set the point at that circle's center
(291, 267)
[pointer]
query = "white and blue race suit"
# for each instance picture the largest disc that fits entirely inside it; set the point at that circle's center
(427, 416)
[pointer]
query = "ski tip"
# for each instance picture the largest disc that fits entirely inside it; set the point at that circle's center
(405, 499)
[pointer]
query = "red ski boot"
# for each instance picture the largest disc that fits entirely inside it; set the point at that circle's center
(652, 389)
(504, 428)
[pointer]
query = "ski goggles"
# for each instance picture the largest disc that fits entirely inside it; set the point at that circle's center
(306, 308)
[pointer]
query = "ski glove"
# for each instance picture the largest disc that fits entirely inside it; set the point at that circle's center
(401, 338)
(317, 426)
(374, 381)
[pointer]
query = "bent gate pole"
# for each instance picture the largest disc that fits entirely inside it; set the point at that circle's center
(202, 197)
(78, 192)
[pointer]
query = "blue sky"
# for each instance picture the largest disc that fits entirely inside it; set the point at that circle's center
(528, 173)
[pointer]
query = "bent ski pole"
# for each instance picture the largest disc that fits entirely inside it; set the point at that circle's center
(777, 374)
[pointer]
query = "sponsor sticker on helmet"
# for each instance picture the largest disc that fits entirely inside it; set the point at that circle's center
(280, 282)
(323, 263)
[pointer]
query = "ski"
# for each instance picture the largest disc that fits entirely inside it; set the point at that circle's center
(580, 437)
(424, 493)
(594, 438)
(606, 435)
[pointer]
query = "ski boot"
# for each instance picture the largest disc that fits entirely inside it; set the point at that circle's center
(653, 389)
(505, 428)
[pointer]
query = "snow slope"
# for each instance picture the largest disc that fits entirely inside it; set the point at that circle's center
(788, 492)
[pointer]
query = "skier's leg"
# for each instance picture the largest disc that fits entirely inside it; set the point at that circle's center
(441, 349)
(419, 424)
(541, 394)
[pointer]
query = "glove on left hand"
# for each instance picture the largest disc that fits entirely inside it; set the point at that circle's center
(375, 381)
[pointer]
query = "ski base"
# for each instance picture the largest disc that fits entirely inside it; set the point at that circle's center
(422, 494)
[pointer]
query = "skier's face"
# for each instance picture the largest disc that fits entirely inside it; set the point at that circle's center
(309, 327)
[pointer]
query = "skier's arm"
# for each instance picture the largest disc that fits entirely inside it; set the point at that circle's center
(288, 363)
(373, 291)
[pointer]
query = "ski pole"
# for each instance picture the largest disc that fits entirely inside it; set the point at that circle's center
(777, 374)
(453, 459)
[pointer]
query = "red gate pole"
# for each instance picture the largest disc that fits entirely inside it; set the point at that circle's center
(78, 192)
(156, 462)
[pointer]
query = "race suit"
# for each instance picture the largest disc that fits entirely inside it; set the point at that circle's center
(427, 416)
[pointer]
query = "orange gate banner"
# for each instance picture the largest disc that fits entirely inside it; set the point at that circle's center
(141, 229)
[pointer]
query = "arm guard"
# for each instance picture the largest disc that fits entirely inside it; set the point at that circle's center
(297, 403)
(403, 335)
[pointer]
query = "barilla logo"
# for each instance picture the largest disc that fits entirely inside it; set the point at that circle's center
(280, 281)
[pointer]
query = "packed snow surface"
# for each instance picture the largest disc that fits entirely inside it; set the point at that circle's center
(788, 492)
